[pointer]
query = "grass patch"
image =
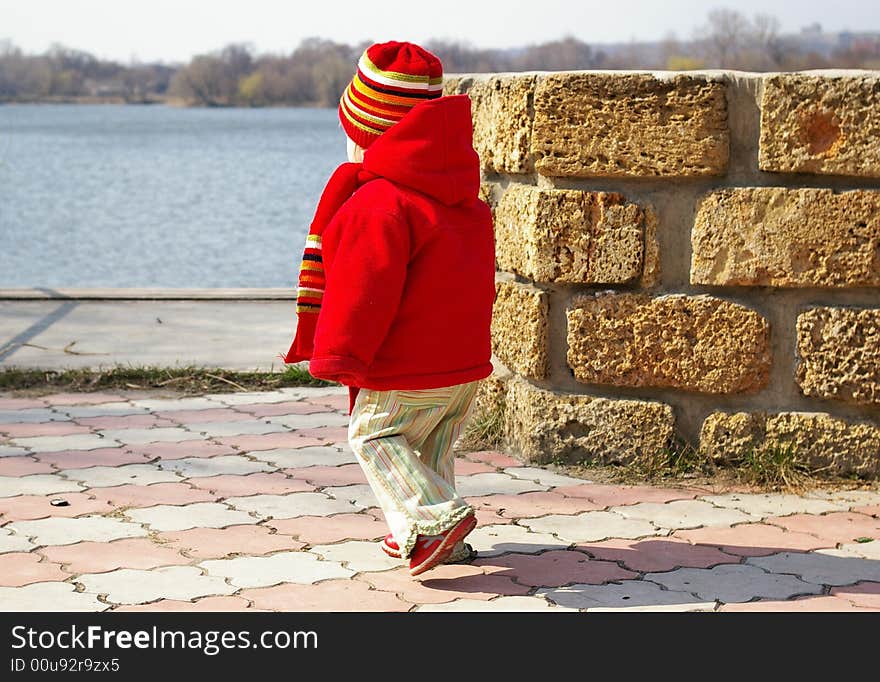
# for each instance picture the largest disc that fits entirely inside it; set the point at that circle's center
(485, 430)
(774, 466)
(189, 380)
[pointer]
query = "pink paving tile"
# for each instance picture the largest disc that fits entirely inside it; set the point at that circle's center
(465, 467)
(79, 459)
(865, 594)
(656, 554)
(126, 421)
(752, 539)
(216, 543)
(488, 517)
(268, 441)
(230, 485)
(150, 495)
(321, 530)
(189, 448)
(870, 510)
(329, 595)
(532, 504)
(444, 583)
(21, 403)
(82, 398)
(493, 458)
(213, 604)
(278, 409)
(320, 476)
(219, 414)
(27, 507)
(332, 434)
(555, 568)
(23, 466)
(24, 568)
(337, 402)
(835, 527)
(99, 557)
(809, 603)
(59, 428)
(616, 495)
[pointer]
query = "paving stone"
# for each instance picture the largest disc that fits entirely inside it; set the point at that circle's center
(309, 421)
(866, 550)
(531, 505)
(13, 542)
(465, 467)
(499, 539)
(128, 421)
(113, 409)
(493, 458)
(208, 604)
(360, 495)
(284, 567)
(9, 451)
(320, 476)
(216, 543)
(251, 484)
(773, 504)
(500, 604)
(249, 397)
(833, 528)
(295, 458)
(216, 414)
(98, 557)
(479, 485)
(445, 583)
(42, 429)
(798, 604)
(174, 434)
(851, 496)
(23, 466)
(542, 476)
(233, 428)
(337, 402)
(289, 506)
(268, 441)
(31, 416)
(77, 441)
(488, 517)
(557, 567)
(334, 596)
(187, 448)
(149, 495)
(134, 586)
(280, 409)
(358, 555)
(214, 466)
(865, 594)
(733, 583)
(627, 595)
(333, 434)
(683, 514)
(27, 507)
(81, 459)
(619, 495)
(36, 484)
(327, 529)
(870, 510)
(82, 398)
(62, 531)
(822, 567)
(11, 404)
(169, 404)
(134, 474)
(657, 554)
(23, 568)
(751, 539)
(51, 596)
(591, 526)
(197, 515)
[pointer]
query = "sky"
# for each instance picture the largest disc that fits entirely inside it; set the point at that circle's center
(175, 30)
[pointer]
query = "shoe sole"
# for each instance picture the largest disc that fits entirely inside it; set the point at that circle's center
(446, 546)
(393, 553)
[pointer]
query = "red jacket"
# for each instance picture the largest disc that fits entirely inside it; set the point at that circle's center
(410, 261)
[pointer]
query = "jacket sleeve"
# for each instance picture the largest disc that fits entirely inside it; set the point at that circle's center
(365, 254)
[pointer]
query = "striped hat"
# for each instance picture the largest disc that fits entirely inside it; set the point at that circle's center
(391, 79)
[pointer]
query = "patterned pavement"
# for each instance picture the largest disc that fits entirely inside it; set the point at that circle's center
(126, 501)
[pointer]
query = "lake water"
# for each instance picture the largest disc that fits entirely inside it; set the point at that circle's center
(155, 196)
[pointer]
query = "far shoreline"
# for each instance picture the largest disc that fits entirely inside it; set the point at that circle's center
(169, 102)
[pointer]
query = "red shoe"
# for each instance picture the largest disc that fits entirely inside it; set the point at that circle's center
(390, 546)
(431, 550)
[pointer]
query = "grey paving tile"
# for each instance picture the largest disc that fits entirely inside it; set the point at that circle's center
(173, 404)
(729, 583)
(49, 596)
(12, 451)
(74, 441)
(357, 555)
(762, 505)
(292, 505)
(495, 540)
(499, 604)
(116, 409)
(11, 542)
(542, 476)
(135, 586)
(360, 494)
(683, 514)
(236, 428)
(822, 567)
(36, 484)
(479, 485)
(33, 415)
(249, 398)
(626, 595)
(173, 434)
(197, 515)
(295, 458)
(194, 467)
(591, 526)
(132, 474)
(309, 421)
(283, 567)
(68, 531)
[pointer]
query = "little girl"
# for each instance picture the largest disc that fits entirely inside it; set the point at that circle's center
(396, 290)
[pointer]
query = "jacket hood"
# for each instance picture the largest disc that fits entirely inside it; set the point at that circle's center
(430, 150)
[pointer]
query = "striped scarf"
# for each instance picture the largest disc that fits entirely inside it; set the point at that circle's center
(312, 278)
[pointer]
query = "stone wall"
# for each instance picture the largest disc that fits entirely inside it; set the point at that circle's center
(684, 257)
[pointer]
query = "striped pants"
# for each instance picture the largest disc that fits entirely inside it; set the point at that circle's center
(403, 441)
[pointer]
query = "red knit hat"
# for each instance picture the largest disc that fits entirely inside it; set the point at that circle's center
(391, 79)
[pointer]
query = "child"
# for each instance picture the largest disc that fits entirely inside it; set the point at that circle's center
(396, 290)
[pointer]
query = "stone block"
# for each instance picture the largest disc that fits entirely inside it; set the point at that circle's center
(519, 328)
